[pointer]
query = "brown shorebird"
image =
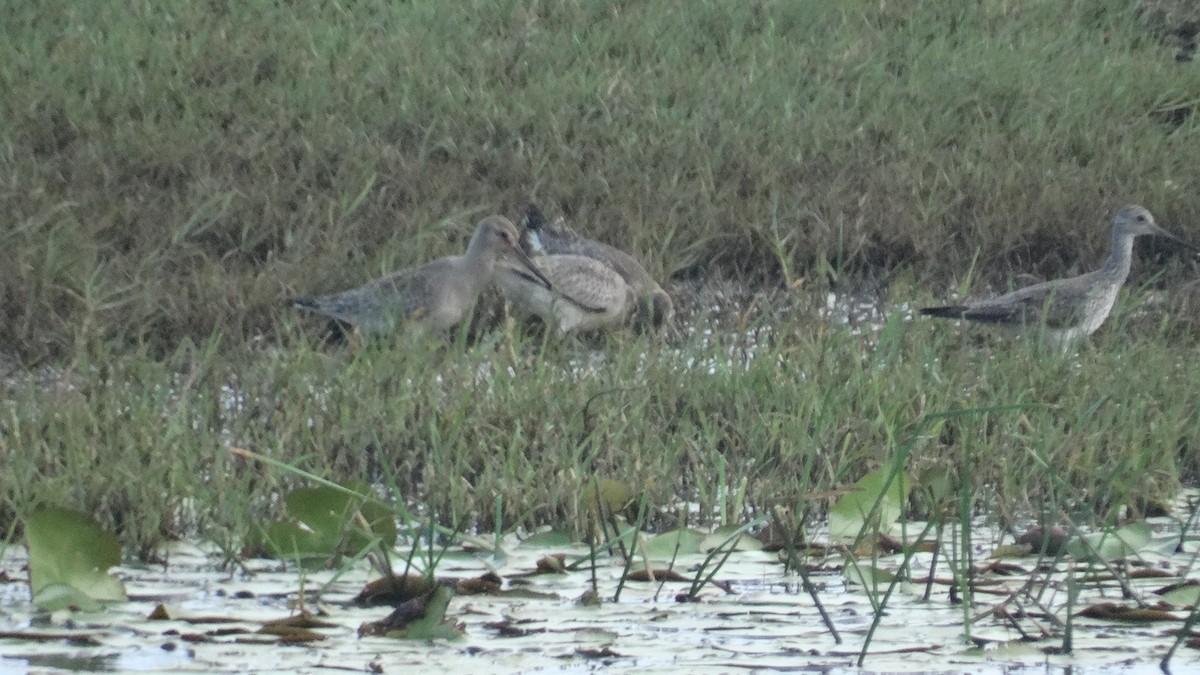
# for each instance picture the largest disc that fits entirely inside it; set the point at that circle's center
(436, 295)
(1072, 308)
(587, 294)
(653, 305)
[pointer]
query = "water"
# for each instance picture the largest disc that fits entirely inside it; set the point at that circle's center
(767, 624)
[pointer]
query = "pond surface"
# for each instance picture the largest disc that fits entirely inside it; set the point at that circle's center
(763, 622)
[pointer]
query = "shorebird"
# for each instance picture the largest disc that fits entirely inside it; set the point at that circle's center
(436, 295)
(1072, 308)
(653, 305)
(587, 294)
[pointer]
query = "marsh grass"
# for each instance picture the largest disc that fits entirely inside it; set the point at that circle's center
(512, 429)
(168, 174)
(171, 170)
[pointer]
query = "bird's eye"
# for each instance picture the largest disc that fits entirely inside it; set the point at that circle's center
(1141, 218)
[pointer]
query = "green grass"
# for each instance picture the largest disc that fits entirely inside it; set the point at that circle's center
(170, 173)
(171, 169)
(145, 443)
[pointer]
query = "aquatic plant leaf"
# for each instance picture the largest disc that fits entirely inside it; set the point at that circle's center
(330, 512)
(54, 597)
(684, 541)
(1112, 544)
(484, 584)
(1182, 595)
(548, 539)
(720, 537)
(1051, 540)
(614, 495)
(422, 618)
(69, 557)
(291, 634)
(866, 575)
(936, 482)
(1012, 551)
(394, 591)
(305, 619)
(555, 563)
(324, 522)
(291, 541)
(848, 515)
(656, 575)
(1111, 611)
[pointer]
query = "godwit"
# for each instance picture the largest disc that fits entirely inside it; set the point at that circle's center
(654, 306)
(587, 293)
(436, 295)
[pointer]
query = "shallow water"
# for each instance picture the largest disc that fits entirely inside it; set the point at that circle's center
(767, 623)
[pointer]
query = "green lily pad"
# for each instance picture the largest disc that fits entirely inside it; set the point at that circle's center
(324, 522)
(721, 536)
(434, 625)
(69, 557)
(421, 618)
(1112, 544)
(866, 575)
(1183, 595)
(548, 539)
(848, 515)
(614, 495)
(683, 541)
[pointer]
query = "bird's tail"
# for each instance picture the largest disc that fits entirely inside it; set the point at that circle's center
(533, 219)
(945, 312)
(309, 304)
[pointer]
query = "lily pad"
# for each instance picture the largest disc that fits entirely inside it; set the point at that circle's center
(667, 545)
(865, 574)
(1112, 544)
(548, 539)
(849, 514)
(1183, 596)
(720, 537)
(69, 557)
(422, 618)
(614, 495)
(325, 521)
(1111, 611)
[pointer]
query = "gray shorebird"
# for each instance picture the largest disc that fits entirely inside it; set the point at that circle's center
(436, 295)
(1072, 308)
(653, 305)
(587, 293)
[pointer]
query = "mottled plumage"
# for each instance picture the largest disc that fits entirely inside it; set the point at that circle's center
(1070, 308)
(436, 295)
(587, 294)
(654, 306)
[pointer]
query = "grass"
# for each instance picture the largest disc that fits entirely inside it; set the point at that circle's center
(145, 443)
(168, 174)
(169, 170)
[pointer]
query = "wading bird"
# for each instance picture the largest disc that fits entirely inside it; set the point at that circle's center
(1067, 309)
(587, 294)
(653, 305)
(436, 295)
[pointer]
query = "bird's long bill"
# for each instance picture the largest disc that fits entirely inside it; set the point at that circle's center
(1182, 242)
(528, 263)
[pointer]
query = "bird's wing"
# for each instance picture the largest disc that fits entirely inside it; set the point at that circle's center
(589, 284)
(399, 295)
(1056, 304)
